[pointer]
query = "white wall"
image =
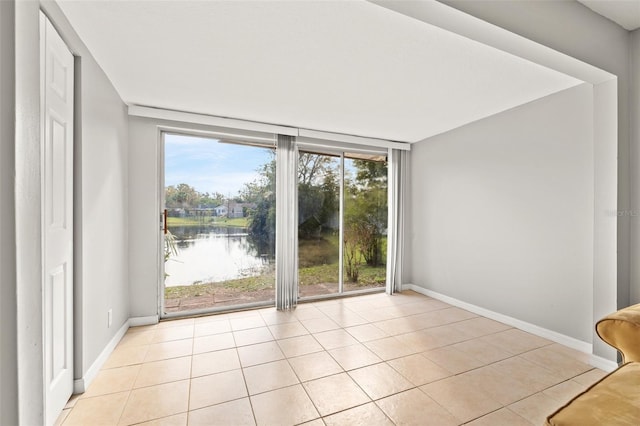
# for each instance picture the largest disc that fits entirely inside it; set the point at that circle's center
(502, 213)
(101, 162)
(634, 101)
(144, 217)
(144, 207)
(101, 174)
(570, 27)
(8, 354)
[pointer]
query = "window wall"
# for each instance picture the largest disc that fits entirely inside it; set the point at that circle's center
(342, 222)
(219, 230)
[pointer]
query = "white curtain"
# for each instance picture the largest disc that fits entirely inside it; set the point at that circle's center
(286, 223)
(397, 193)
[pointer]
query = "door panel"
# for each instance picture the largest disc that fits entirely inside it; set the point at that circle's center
(57, 209)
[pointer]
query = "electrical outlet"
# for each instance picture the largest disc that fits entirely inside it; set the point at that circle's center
(109, 317)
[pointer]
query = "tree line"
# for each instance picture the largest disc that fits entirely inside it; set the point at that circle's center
(365, 206)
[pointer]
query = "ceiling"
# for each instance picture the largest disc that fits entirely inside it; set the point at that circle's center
(625, 13)
(348, 67)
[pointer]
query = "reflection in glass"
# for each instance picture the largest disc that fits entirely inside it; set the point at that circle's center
(220, 200)
(365, 224)
(318, 224)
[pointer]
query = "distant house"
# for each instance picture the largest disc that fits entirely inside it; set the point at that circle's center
(233, 209)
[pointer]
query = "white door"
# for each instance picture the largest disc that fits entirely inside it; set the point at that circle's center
(57, 215)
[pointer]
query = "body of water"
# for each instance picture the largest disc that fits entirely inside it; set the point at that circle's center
(212, 254)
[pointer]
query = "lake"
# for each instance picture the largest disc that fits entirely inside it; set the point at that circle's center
(212, 254)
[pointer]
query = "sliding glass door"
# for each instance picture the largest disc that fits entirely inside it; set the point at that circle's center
(219, 235)
(365, 223)
(219, 203)
(342, 222)
(318, 224)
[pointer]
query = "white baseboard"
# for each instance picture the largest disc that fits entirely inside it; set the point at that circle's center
(565, 340)
(80, 385)
(138, 321)
(602, 363)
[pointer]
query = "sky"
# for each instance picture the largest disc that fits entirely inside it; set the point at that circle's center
(211, 166)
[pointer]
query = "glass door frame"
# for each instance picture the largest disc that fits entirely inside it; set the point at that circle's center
(339, 153)
(323, 149)
(162, 314)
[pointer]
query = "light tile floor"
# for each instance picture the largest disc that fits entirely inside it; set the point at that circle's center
(368, 360)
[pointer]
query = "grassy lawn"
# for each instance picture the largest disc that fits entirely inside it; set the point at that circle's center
(318, 264)
(241, 222)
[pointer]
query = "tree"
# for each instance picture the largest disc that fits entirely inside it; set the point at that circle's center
(262, 218)
(365, 218)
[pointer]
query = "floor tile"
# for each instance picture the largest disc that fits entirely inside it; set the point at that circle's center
(211, 327)
(420, 341)
(389, 348)
(502, 417)
(453, 314)
(73, 400)
(155, 402)
(275, 407)
(460, 399)
(214, 362)
(175, 322)
(348, 319)
(301, 345)
(166, 350)
(510, 380)
(366, 332)
(328, 400)
(272, 317)
(216, 388)
(414, 407)
(318, 325)
(418, 369)
(173, 333)
(535, 408)
(137, 338)
(237, 413)
(363, 415)
(565, 391)
(480, 326)
(126, 355)
(590, 377)
(270, 376)
(483, 351)
(446, 335)
(563, 365)
(259, 354)
(378, 314)
(307, 311)
(213, 343)
(170, 370)
(395, 326)
(287, 330)
(245, 323)
(62, 417)
(315, 365)
(334, 339)
(453, 360)
(113, 380)
(175, 420)
(252, 336)
(354, 356)
(105, 409)
(380, 380)
(228, 369)
(515, 341)
(316, 422)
